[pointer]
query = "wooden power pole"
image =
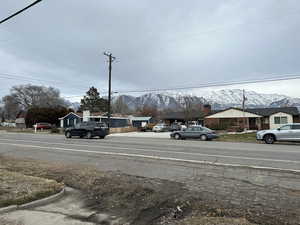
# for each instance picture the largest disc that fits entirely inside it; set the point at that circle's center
(244, 118)
(110, 60)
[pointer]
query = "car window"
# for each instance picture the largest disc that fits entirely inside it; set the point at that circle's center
(296, 127)
(286, 127)
(189, 129)
(206, 129)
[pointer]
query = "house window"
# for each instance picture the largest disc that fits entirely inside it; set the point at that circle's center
(280, 119)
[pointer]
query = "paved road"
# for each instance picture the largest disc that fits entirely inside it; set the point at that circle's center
(182, 161)
(257, 155)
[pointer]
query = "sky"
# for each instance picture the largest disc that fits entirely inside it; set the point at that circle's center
(157, 44)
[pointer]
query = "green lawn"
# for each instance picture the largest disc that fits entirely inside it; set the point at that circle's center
(248, 137)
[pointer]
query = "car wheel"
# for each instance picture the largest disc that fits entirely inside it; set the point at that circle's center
(101, 137)
(68, 135)
(203, 137)
(89, 135)
(177, 136)
(269, 139)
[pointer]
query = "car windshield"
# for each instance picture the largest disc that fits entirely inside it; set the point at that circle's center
(207, 129)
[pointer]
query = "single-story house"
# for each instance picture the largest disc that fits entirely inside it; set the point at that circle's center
(138, 121)
(253, 119)
(20, 123)
(73, 118)
(183, 117)
(20, 120)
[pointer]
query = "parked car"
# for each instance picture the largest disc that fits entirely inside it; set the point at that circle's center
(175, 127)
(148, 127)
(161, 127)
(43, 126)
(288, 132)
(88, 130)
(197, 131)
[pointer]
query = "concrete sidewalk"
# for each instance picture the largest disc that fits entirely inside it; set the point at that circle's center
(164, 135)
(69, 210)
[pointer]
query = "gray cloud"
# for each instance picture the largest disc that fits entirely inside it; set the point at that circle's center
(157, 43)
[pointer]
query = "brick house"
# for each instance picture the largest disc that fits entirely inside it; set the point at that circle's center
(254, 119)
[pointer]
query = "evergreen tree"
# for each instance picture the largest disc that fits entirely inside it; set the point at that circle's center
(93, 102)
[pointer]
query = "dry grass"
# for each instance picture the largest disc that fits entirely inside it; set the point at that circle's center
(16, 188)
(141, 201)
(9, 222)
(203, 220)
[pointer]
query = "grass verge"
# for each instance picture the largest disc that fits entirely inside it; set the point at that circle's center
(17, 189)
(145, 201)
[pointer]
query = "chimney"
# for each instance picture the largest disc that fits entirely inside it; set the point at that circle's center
(206, 109)
(86, 115)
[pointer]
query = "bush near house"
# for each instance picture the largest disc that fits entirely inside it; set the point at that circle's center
(47, 115)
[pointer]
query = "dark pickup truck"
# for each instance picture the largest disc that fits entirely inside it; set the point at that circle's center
(88, 130)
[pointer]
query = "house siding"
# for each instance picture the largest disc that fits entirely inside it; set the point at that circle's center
(70, 120)
(290, 119)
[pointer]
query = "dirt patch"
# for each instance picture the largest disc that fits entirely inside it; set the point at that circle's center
(17, 189)
(144, 201)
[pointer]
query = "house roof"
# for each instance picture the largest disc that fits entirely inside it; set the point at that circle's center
(264, 111)
(140, 118)
(270, 111)
(96, 114)
(232, 113)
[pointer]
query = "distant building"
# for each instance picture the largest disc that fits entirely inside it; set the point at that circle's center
(254, 119)
(139, 121)
(72, 119)
(20, 120)
(185, 117)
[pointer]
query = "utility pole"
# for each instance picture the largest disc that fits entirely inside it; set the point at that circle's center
(110, 60)
(244, 118)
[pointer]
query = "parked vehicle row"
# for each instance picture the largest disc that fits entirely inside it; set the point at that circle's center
(288, 132)
(161, 127)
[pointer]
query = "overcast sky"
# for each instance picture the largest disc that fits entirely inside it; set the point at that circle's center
(158, 44)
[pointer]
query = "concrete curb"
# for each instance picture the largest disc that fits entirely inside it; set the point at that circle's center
(36, 203)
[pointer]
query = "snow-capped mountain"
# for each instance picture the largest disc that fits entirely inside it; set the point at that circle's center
(286, 102)
(234, 98)
(218, 99)
(160, 101)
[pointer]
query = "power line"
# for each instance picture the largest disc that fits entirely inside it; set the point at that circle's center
(213, 84)
(20, 11)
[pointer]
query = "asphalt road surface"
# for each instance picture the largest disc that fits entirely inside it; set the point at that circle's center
(250, 175)
(282, 156)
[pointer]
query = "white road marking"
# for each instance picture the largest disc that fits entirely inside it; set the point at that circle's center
(151, 157)
(160, 151)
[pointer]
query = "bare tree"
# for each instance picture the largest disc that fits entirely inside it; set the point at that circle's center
(148, 110)
(119, 106)
(27, 96)
(190, 106)
(10, 109)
